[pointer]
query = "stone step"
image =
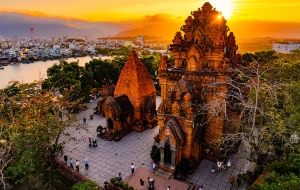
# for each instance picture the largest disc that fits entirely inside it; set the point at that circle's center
(163, 174)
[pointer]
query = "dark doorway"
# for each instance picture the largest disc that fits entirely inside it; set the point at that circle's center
(110, 124)
(167, 153)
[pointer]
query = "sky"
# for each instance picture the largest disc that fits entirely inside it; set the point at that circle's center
(124, 10)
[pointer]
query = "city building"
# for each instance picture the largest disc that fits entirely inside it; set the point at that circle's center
(285, 48)
(193, 114)
(140, 40)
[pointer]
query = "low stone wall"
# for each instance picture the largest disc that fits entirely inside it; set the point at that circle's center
(70, 171)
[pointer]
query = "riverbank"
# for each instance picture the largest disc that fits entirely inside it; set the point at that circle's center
(27, 73)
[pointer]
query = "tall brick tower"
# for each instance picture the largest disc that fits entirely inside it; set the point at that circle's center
(193, 114)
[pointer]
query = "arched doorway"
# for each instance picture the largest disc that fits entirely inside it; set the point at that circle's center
(167, 153)
(110, 124)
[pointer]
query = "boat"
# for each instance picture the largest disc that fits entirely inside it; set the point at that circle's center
(4, 61)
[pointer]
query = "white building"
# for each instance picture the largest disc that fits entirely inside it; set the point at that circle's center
(285, 48)
(140, 40)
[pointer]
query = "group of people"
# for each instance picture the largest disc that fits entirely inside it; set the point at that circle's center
(86, 163)
(92, 142)
(220, 166)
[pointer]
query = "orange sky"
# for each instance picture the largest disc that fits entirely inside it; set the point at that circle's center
(123, 10)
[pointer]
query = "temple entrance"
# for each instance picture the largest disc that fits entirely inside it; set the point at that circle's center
(110, 124)
(167, 153)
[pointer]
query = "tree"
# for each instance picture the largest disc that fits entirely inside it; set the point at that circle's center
(120, 56)
(31, 122)
(266, 97)
(64, 75)
(104, 71)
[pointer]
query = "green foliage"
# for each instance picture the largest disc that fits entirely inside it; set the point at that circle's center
(104, 71)
(99, 128)
(154, 154)
(114, 180)
(130, 188)
(283, 174)
(126, 186)
(70, 75)
(87, 185)
(31, 124)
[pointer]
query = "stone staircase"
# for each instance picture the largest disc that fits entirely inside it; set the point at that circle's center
(163, 174)
(108, 136)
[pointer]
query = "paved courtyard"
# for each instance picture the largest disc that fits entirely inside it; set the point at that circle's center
(110, 158)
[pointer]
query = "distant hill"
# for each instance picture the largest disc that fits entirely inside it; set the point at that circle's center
(166, 31)
(48, 31)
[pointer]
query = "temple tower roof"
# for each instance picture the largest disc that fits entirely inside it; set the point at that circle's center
(134, 80)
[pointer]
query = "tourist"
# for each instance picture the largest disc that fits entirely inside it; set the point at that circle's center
(66, 158)
(132, 168)
(222, 166)
(169, 188)
(91, 116)
(154, 167)
(213, 168)
(84, 121)
(120, 177)
(77, 165)
(229, 163)
(86, 164)
(142, 184)
(90, 141)
(71, 163)
(231, 179)
(201, 187)
(219, 166)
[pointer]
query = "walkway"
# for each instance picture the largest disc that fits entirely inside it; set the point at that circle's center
(110, 158)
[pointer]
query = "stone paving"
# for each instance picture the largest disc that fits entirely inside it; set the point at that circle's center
(110, 158)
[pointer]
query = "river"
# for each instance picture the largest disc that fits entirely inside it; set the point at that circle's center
(34, 71)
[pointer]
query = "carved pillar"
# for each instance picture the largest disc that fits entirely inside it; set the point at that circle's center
(188, 146)
(173, 157)
(162, 155)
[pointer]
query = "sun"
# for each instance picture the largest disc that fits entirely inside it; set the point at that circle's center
(224, 6)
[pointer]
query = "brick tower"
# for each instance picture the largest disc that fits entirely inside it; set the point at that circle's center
(193, 114)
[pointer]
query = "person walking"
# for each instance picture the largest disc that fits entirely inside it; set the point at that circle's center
(120, 177)
(66, 158)
(169, 188)
(142, 184)
(132, 168)
(201, 187)
(213, 168)
(77, 165)
(90, 141)
(229, 163)
(84, 121)
(154, 167)
(86, 164)
(219, 164)
(71, 163)
(231, 180)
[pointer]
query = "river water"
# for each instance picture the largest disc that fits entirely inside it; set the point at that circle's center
(34, 71)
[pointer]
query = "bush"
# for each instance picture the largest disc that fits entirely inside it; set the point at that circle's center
(121, 184)
(105, 182)
(99, 129)
(130, 188)
(154, 154)
(114, 180)
(125, 186)
(87, 185)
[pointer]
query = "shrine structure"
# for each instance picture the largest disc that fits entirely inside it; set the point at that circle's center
(132, 106)
(194, 110)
